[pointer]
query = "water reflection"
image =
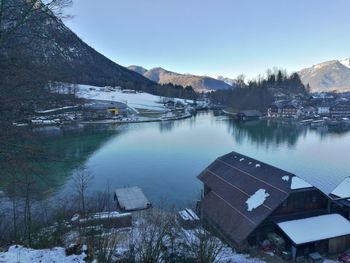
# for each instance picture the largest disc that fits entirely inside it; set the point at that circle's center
(164, 158)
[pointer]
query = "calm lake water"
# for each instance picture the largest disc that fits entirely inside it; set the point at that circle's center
(165, 158)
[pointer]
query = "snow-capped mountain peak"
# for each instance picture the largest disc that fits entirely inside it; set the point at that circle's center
(345, 62)
(331, 75)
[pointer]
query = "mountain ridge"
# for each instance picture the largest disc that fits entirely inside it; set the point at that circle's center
(333, 75)
(199, 83)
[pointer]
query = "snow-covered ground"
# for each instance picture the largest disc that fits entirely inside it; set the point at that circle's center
(21, 254)
(134, 100)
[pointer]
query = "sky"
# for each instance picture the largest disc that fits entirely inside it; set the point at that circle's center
(215, 37)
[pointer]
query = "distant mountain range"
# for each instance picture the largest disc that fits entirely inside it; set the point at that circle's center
(199, 83)
(328, 76)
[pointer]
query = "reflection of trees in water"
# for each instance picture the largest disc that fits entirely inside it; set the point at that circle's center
(51, 155)
(338, 131)
(267, 133)
(168, 126)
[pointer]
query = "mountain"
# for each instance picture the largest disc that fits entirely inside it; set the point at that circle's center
(346, 62)
(199, 83)
(54, 51)
(227, 80)
(331, 75)
(138, 69)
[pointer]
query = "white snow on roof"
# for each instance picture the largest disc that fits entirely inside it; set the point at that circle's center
(343, 189)
(257, 199)
(132, 198)
(298, 183)
(316, 228)
(242, 159)
(27, 255)
(285, 178)
(258, 165)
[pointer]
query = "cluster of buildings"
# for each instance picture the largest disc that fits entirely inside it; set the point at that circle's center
(321, 105)
(251, 203)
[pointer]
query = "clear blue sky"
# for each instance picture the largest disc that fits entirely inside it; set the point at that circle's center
(215, 37)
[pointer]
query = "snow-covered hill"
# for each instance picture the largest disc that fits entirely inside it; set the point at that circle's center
(331, 75)
(139, 100)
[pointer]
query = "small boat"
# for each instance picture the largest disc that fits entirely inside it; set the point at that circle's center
(316, 123)
(306, 122)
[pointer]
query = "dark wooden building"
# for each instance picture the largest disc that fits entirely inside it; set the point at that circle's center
(245, 200)
(248, 115)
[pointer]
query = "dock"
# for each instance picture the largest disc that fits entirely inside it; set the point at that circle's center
(131, 199)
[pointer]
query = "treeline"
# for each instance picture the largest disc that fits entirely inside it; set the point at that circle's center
(260, 92)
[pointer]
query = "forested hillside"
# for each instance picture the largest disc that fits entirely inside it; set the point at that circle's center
(260, 93)
(37, 48)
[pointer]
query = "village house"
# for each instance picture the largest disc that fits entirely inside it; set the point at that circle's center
(322, 103)
(340, 110)
(309, 111)
(274, 111)
(290, 110)
(248, 201)
(285, 109)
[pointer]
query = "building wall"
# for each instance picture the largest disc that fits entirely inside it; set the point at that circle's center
(302, 202)
(339, 244)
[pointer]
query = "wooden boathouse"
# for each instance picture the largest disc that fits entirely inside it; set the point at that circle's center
(246, 200)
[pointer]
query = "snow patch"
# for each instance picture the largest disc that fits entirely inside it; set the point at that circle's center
(257, 199)
(345, 62)
(298, 183)
(285, 178)
(258, 165)
(137, 100)
(343, 189)
(241, 160)
(21, 254)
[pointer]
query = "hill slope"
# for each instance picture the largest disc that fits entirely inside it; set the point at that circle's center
(53, 50)
(332, 75)
(199, 83)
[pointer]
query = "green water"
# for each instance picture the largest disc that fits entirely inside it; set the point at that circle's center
(165, 158)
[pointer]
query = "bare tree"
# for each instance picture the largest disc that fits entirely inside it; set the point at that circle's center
(15, 14)
(201, 245)
(151, 236)
(82, 180)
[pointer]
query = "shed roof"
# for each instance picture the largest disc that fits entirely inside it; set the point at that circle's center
(235, 181)
(315, 228)
(131, 198)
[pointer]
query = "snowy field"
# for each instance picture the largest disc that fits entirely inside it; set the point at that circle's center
(134, 100)
(21, 254)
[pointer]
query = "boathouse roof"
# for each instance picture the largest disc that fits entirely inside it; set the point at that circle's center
(244, 192)
(131, 199)
(251, 113)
